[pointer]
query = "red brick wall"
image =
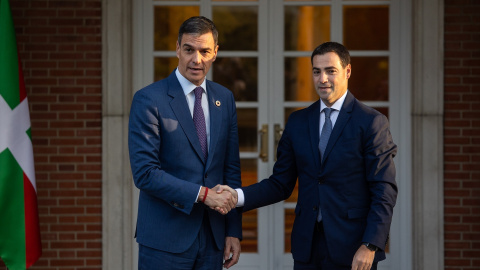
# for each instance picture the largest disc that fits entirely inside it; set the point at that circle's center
(60, 46)
(462, 134)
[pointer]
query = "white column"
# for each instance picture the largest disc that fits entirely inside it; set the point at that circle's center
(117, 185)
(427, 149)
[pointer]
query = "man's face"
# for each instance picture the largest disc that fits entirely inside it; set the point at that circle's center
(329, 77)
(195, 56)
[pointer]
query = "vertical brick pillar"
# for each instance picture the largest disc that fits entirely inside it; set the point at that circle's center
(462, 134)
(60, 44)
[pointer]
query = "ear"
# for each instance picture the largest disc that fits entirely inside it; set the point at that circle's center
(215, 53)
(348, 70)
(177, 49)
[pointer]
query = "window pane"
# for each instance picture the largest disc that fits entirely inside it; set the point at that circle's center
(167, 21)
(289, 218)
(163, 66)
(249, 224)
(369, 80)
(365, 27)
(247, 129)
(298, 79)
(237, 27)
(306, 27)
(239, 74)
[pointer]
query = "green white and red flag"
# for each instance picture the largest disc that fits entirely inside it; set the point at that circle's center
(20, 244)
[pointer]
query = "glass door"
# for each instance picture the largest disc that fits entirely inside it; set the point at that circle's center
(264, 59)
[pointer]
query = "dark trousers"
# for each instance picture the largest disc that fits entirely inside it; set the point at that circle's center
(202, 255)
(320, 258)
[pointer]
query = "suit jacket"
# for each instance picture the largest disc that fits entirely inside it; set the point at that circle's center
(354, 184)
(168, 167)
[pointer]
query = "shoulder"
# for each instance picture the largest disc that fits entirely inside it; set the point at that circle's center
(303, 114)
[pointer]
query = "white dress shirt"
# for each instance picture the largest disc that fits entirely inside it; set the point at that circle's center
(188, 88)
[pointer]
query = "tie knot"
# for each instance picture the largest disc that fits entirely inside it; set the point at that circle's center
(327, 112)
(198, 92)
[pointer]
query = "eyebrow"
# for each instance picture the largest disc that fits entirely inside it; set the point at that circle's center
(326, 68)
(200, 49)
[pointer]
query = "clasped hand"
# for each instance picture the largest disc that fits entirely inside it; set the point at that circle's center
(222, 199)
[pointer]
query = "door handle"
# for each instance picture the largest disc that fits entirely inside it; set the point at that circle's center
(278, 135)
(264, 143)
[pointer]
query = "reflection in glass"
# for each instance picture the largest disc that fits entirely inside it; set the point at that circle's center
(289, 218)
(298, 79)
(167, 21)
(239, 74)
(247, 129)
(163, 66)
(306, 27)
(365, 27)
(237, 27)
(249, 224)
(369, 80)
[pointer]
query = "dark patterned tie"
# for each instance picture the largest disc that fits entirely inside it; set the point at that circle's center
(326, 131)
(199, 120)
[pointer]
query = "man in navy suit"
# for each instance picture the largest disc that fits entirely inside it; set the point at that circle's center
(342, 153)
(183, 140)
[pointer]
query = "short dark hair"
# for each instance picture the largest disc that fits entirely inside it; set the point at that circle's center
(334, 47)
(198, 25)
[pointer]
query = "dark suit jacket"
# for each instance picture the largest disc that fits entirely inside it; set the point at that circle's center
(168, 167)
(354, 184)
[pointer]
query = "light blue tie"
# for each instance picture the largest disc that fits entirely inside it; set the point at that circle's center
(326, 131)
(324, 136)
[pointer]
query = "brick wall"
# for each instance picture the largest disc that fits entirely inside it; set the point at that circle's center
(462, 134)
(60, 46)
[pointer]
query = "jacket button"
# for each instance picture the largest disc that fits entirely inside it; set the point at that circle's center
(315, 208)
(206, 175)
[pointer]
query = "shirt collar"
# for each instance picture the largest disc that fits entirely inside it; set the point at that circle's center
(187, 85)
(337, 105)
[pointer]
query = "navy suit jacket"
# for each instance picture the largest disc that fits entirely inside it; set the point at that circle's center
(168, 167)
(354, 184)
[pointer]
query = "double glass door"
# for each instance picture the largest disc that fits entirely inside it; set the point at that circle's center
(264, 59)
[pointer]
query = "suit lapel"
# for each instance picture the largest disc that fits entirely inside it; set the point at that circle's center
(342, 119)
(179, 106)
(314, 130)
(215, 120)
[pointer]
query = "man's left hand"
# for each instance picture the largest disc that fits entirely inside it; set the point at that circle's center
(231, 254)
(363, 259)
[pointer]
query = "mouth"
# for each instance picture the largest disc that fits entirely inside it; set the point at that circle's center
(195, 70)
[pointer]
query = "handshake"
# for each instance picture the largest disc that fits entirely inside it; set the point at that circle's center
(221, 198)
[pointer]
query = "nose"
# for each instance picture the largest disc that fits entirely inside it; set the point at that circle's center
(196, 58)
(323, 77)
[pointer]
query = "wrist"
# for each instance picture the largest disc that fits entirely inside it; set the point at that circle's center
(370, 246)
(205, 196)
(201, 194)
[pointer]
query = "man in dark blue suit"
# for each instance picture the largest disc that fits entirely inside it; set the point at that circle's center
(342, 153)
(183, 140)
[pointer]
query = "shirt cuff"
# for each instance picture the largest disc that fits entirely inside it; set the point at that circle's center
(198, 194)
(241, 197)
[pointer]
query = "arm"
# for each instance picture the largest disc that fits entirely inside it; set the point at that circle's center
(144, 142)
(380, 174)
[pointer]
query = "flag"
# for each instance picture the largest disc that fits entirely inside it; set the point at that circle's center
(20, 244)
